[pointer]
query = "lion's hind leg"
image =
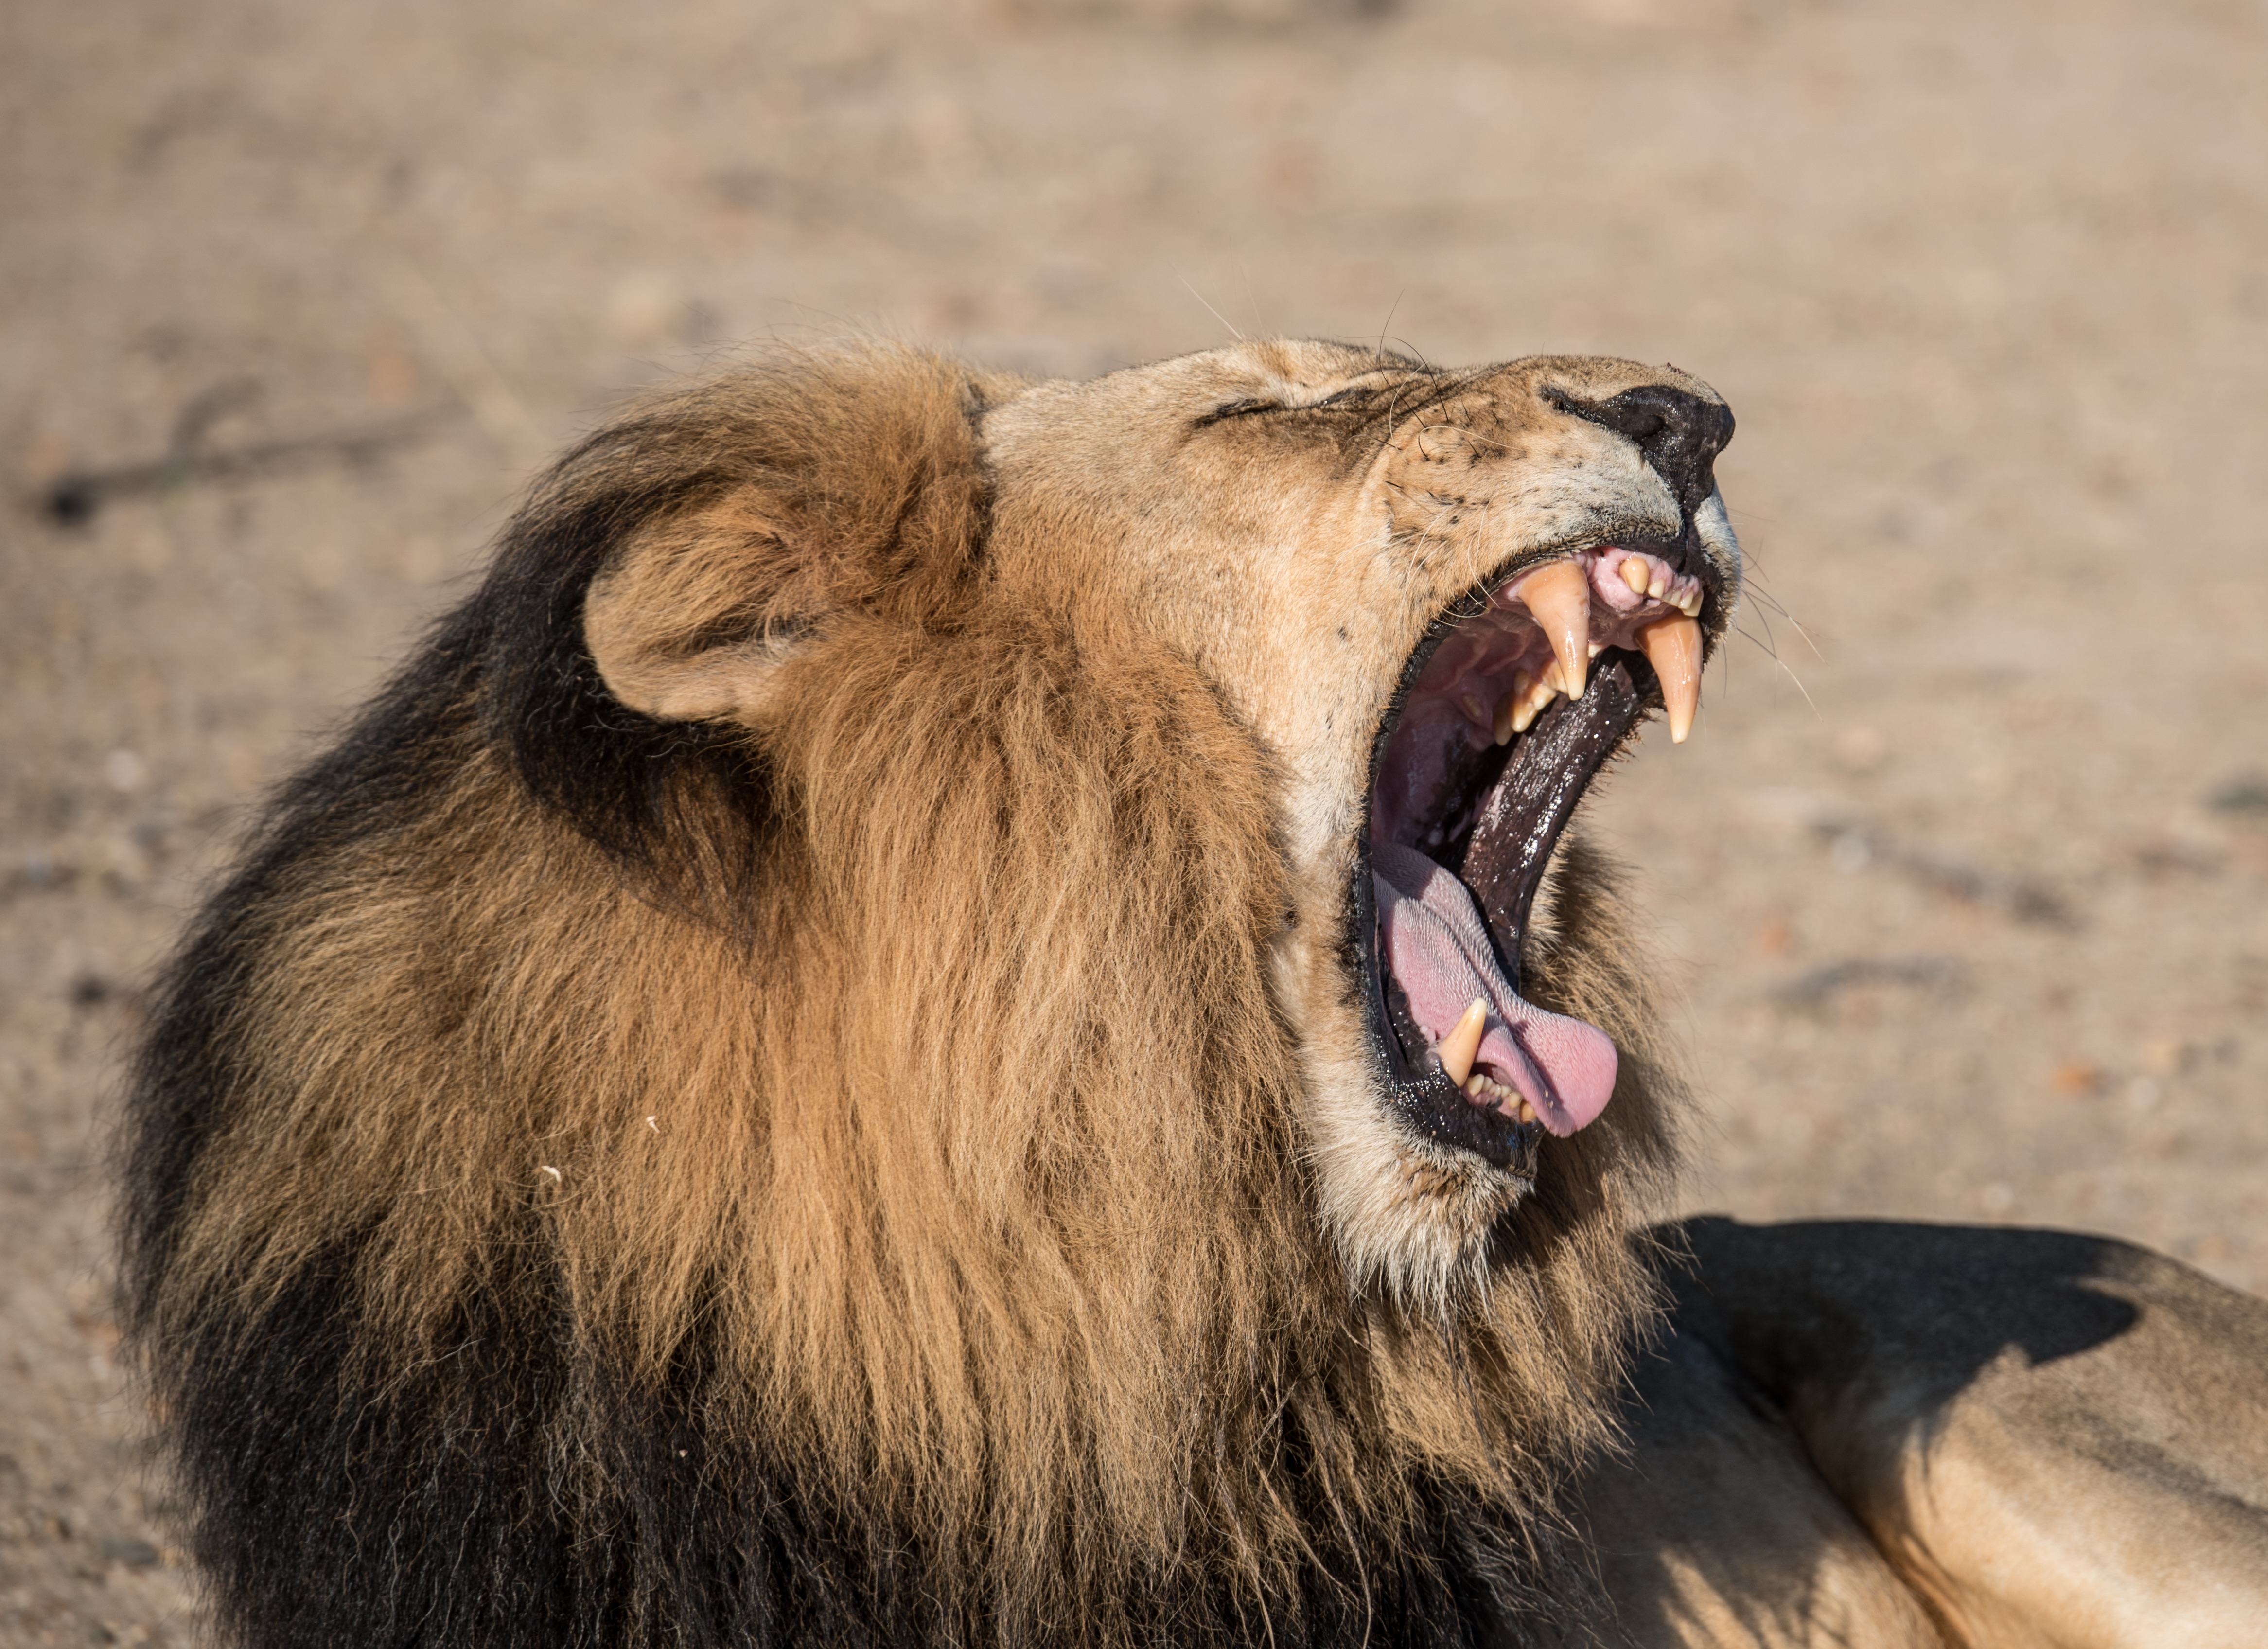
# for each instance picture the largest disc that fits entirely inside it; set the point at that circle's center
(2055, 1439)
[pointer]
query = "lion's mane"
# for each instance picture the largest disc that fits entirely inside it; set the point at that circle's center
(592, 1180)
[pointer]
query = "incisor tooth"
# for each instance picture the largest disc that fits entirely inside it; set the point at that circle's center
(1458, 1048)
(1673, 647)
(1531, 694)
(1558, 598)
(1659, 584)
(1526, 1112)
(1635, 575)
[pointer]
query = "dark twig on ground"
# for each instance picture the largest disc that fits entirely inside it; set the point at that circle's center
(2247, 793)
(1856, 845)
(1814, 988)
(73, 498)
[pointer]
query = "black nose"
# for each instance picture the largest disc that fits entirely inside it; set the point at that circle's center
(1680, 433)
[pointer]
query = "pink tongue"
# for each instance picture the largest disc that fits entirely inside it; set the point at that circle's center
(1440, 957)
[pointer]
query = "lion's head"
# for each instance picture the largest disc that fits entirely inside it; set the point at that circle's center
(884, 988)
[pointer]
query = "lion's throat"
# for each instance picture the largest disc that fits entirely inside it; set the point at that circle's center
(1441, 958)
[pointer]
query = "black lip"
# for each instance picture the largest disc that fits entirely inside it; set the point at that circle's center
(1550, 767)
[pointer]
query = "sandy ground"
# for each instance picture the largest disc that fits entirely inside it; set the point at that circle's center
(1965, 875)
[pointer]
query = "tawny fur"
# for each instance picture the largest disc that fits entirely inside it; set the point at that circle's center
(906, 1061)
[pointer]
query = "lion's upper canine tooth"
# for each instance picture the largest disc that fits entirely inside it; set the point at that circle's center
(1673, 647)
(1636, 574)
(1558, 598)
(1457, 1049)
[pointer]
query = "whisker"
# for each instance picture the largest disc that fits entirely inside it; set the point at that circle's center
(1415, 353)
(1808, 702)
(1753, 585)
(1761, 646)
(1781, 664)
(1209, 310)
(1796, 624)
(1253, 297)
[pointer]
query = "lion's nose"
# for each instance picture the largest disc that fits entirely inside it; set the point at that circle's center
(1680, 433)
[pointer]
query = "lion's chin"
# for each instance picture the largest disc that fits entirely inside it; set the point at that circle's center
(1508, 708)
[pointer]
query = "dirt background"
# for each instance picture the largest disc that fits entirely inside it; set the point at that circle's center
(1964, 876)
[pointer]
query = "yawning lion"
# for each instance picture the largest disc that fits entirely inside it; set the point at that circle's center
(954, 1010)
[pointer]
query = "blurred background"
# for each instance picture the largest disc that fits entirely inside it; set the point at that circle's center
(1964, 879)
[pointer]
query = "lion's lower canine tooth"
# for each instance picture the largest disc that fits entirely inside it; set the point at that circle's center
(1635, 575)
(1673, 647)
(1458, 1048)
(1558, 598)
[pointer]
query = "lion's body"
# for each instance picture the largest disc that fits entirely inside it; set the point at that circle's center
(796, 1076)
(1906, 1436)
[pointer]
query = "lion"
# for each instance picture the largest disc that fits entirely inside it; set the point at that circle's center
(960, 1010)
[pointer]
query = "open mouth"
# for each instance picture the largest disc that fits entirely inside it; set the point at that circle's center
(1507, 709)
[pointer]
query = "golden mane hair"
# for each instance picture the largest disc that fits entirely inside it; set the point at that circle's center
(826, 1159)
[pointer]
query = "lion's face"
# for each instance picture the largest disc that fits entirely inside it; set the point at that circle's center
(1387, 577)
(1388, 572)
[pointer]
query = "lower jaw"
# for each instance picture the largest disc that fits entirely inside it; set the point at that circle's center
(1522, 814)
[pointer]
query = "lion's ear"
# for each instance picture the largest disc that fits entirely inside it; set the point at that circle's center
(694, 615)
(795, 493)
